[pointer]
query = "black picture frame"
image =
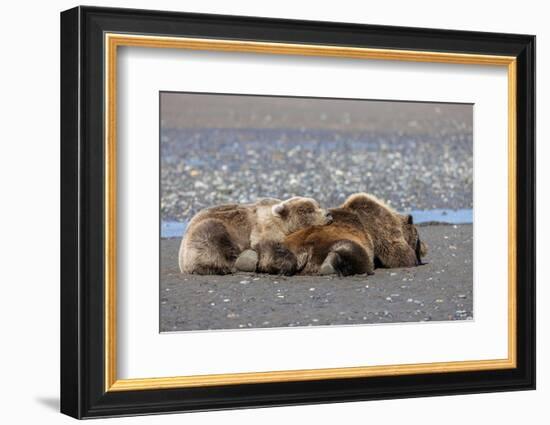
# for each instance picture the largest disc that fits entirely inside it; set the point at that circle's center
(83, 392)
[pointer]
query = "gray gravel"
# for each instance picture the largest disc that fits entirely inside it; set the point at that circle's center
(225, 149)
(440, 290)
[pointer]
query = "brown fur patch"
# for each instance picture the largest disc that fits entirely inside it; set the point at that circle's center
(216, 236)
(365, 231)
(395, 237)
(345, 238)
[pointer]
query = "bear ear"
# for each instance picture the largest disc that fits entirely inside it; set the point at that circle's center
(409, 219)
(279, 210)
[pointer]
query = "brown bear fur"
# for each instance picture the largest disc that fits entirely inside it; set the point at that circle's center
(364, 232)
(343, 247)
(217, 236)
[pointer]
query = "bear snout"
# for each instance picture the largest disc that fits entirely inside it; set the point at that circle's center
(328, 217)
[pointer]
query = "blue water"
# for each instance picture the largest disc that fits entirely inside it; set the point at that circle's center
(172, 229)
(176, 229)
(464, 216)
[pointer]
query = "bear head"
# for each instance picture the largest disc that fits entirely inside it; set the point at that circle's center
(298, 213)
(410, 232)
(368, 206)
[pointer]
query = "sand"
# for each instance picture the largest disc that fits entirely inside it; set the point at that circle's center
(440, 290)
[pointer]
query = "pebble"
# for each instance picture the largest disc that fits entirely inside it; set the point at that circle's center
(242, 164)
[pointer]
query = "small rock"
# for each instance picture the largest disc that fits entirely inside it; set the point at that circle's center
(247, 261)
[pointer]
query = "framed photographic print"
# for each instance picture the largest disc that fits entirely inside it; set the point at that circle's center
(261, 212)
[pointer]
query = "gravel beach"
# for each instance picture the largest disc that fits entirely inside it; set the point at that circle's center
(236, 149)
(439, 290)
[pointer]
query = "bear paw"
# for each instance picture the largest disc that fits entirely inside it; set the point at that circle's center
(327, 269)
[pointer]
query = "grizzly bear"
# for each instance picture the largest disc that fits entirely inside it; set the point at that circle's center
(217, 236)
(365, 232)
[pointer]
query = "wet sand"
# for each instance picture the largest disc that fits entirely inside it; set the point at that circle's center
(437, 291)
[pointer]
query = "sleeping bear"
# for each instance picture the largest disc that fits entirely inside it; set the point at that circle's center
(365, 233)
(253, 233)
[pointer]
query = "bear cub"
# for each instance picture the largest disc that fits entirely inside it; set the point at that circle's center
(252, 233)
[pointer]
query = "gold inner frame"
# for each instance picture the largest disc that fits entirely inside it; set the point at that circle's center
(113, 41)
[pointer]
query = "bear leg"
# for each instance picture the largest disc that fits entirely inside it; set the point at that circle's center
(348, 258)
(275, 258)
(209, 250)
